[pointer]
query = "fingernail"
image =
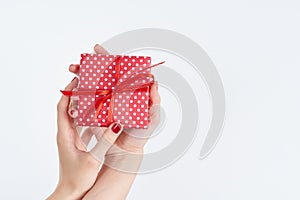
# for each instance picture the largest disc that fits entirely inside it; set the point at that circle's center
(73, 113)
(116, 128)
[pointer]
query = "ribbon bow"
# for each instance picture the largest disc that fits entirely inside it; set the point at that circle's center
(136, 80)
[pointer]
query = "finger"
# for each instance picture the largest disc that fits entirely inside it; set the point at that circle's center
(74, 68)
(89, 133)
(73, 111)
(100, 50)
(106, 141)
(154, 96)
(62, 107)
(154, 107)
(98, 132)
(87, 136)
(154, 116)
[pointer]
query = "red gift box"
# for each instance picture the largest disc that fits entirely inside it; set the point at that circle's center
(113, 88)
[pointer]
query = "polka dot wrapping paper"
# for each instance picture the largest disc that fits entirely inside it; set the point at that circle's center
(114, 88)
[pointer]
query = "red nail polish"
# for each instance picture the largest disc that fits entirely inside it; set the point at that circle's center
(116, 128)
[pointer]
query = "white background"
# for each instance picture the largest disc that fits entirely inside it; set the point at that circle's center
(254, 44)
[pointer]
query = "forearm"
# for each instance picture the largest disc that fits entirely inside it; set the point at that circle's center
(62, 193)
(116, 177)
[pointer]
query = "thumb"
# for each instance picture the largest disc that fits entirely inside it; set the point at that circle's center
(106, 141)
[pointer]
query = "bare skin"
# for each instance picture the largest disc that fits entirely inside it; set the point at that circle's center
(80, 177)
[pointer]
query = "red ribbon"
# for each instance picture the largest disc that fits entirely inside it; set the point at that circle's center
(135, 81)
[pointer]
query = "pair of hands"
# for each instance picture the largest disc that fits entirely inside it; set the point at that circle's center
(82, 175)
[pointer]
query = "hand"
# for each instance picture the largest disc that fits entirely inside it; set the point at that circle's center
(112, 182)
(78, 167)
(132, 140)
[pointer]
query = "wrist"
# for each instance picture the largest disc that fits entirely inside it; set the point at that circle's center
(125, 158)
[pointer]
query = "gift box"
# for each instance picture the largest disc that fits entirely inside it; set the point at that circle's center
(113, 88)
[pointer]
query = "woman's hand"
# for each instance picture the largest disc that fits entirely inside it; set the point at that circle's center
(113, 181)
(131, 140)
(78, 167)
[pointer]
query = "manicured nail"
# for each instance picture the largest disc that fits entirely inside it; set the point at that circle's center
(73, 112)
(116, 128)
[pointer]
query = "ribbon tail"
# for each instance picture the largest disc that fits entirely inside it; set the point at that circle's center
(100, 106)
(67, 93)
(157, 64)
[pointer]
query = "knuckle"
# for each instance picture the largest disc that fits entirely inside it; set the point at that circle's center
(59, 141)
(58, 106)
(156, 121)
(156, 100)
